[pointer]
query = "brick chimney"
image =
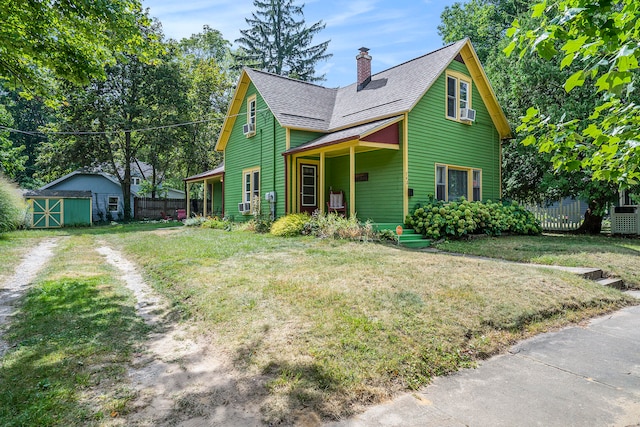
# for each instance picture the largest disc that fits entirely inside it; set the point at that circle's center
(364, 68)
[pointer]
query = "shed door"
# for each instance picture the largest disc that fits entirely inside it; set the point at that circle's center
(47, 213)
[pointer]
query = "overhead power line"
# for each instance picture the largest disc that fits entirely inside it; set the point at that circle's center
(44, 133)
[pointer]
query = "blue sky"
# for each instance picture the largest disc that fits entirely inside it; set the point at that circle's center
(394, 30)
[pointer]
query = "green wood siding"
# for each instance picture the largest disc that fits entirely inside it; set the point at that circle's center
(435, 139)
(299, 137)
(77, 212)
(380, 197)
(263, 150)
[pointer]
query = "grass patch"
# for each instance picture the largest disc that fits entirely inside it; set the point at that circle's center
(336, 325)
(12, 249)
(74, 334)
(617, 256)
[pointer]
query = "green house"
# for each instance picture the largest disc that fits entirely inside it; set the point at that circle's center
(429, 126)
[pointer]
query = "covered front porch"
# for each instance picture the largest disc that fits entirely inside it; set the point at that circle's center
(212, 192)
(366, 163)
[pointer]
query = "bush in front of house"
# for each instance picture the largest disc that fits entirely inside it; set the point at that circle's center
(195, 221)
(336, 226)
(436, 219)
(290, 225)
(12, 206)
(215, 223)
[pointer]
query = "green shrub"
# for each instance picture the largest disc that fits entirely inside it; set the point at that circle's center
(290, 225)
(436, 219)
(259, 224)
(195, 221)
(215, 223)
(336, 226)
(12, 206)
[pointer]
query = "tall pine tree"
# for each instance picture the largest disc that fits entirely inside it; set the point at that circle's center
(277, 43)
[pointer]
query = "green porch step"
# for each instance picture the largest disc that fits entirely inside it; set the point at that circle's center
(409, 238)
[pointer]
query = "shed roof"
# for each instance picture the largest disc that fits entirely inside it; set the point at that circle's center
(65, 194)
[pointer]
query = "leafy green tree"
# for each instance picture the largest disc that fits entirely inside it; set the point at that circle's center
(484, 21)
(208, 69)
(43, 43)
(528, 175)
(278, 43)
(209, 44)
(28, 115)
(11, 158)
(113, 114)
(603, 40)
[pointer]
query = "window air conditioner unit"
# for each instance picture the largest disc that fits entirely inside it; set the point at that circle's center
(244, 207)
(248, 128)
(468, 115)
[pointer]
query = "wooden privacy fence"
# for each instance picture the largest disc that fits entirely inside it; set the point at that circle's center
(148, 208)
(561, 216)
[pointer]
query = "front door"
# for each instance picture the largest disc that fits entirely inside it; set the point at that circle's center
(308, 188)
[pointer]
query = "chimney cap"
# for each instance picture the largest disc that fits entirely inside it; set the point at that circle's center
(364, 49)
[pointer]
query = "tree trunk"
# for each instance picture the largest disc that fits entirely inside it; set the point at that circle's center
(126, 184)
(592, 223)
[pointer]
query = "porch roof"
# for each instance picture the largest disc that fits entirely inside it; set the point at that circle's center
(352, 134)
(208, 174)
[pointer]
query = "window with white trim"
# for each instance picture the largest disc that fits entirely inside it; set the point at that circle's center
(135, 180)
(454, 182)
(251, 186)
(113, 204)
(458, 94)
(251, 114)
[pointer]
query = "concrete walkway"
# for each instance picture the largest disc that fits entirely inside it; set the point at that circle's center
(578, 376)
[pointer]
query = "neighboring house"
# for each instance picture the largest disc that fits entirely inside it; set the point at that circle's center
(106, 192)
(625, 218)
(429, 126)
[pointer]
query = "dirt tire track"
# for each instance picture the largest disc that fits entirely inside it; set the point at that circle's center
(179, 378)
(15, 286)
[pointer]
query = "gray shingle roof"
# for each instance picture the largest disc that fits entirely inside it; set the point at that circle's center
(394, 91)
(69, 194)
(213, 172)
(295, 103)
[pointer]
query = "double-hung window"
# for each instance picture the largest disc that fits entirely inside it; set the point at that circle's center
(113, 204)
(458, 94)
(454, 182)
(251, 114)
(251, 187)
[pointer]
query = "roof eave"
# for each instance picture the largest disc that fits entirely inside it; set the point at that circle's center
(487, 93)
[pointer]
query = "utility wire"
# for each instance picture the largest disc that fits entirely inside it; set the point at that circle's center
(41, 133)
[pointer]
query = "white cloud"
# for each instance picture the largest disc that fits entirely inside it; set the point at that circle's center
(352, 10)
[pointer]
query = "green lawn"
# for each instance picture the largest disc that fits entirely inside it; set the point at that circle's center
(336, 325)
(330, 326)
(71, 342)
(615, 255)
